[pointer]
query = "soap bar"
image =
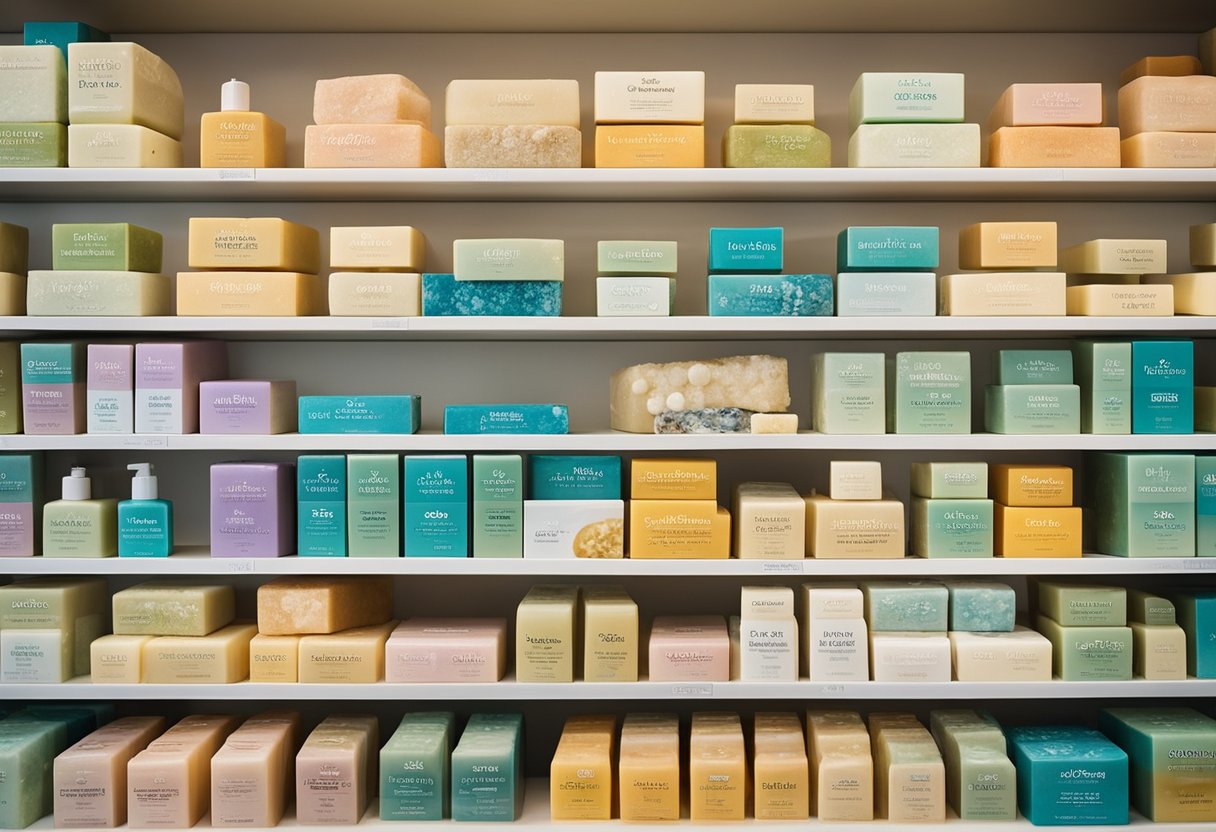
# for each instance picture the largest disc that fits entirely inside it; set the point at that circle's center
(687, 648)
(634, 257)
(909, 657)
(91, 776)
(915, 146)
(1083, 654)
(322, 604)
(75, 606)
(635, 297)
(673, 479)
(769, 522)
(169, 781)
(786, 295)
(117, 660)
(1110, 299)
(1032, 408)
(167, 376)
(1161, 65)
(15, 247)
(1083, 605)
(359, 414)
(751, 250)
(1203, 245)
(33, 145)
(1054, 147)
(1045, 104)
(354, 656)
(487, 769)
(1114, 257)
(929, 392)
(447, 650)
(842, 767)
(1003, 294)
(574, 477)
(581, 773)
(1032, 367)
(546, 634)
(1152, 499)
(499, 102)
(123, 83)
(97, 293)
(574, 529)
(1193, 293)
(859, 480)
(1197, 616)
(1104, 374)
(512, 146)
(981, 606)
(1021, 655)
(375, 294)
(1158, 651)
(901, 97)
(37, 656)
(776, 146)
(1147, 608)
(261, 491)
(1185, 104)
(250, 772)
(274, 294)
(910, 776)
(774, 423)
(717, 768)
(684, 529)
(1163, 789)
(1047, 759)
(905, 606)
(1032, 485)
(247, 407)
(257, 243)
(336, 770)
(506, 419)
(509, 259)
(704, 421)
(900, 294)
(887, 248)
(774, 603)
(415, 768)
(370, 99)
(957, 480)
(980, 778)
(33, 84)
(848, 393)
(648, 768)
(173, 608)
(444, 296)
(851, 529)
(649, 97)
(371, 146)
(220, 658)
(1163, 387)
(274, 658)
(390, 248)
(649, 146)
(1165, 149)
(1037, 532)
(119, 146)
(27, 748)
(781, 770)
(774, 104)
(639, 393)
(115, 246)
(1007, 245)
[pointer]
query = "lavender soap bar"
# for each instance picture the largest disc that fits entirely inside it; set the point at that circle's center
(506, 418)
(444, 296)
(778, 295)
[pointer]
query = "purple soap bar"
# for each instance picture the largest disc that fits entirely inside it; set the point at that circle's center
(253, 510)
(247, 407)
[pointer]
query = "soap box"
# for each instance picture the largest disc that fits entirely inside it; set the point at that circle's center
(247, 407)
(1163, 387)
(529, 419)
(785, 295)
(52, 388)
(436, 494)
(360, 414)
(252, 510)
(951, 480)
(900, 294)
(574, 477)
(574, 528)
(321, 512)
(1032, 367)
(901, 97)
(650, 97)
(887, 248)
(929, 392)
(751, 250)
(110, 388)
(20, 504)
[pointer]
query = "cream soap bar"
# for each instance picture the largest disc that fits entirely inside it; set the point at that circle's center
(123, 83)
(842, 766)
(370, 99)
(259, 243)
(1165, 149)
(97, 293)
(274, 294)
(1115, 257)
(512, 146)
(392, 248)
(546, 633)
(169, 781)
(902, 97)
(649, 97)
(634, 297)
(769, 522)
(855, 480)
(1003, 294)
(915, 146)
(901, 294)
(120, 146)
(36, 656)
(354, 656)
(1018, 656)
(910, 775)
(1007, 245)
(217, 659)
(322, 604)
(173, 608)
(774, 423)
(1186, 104)
(634, 257)
(375, 294)
(1038, 104)
(33, 84)
(909, 657)
(91, 776)
(1105, 300)
(610, 635)
(509, 259)
(499, 102)
(648, 769)
(1158, 651)
(274, 658)
(371, 146)
(774, 104)
(849, 529)
(117, 659)
(1194, 293)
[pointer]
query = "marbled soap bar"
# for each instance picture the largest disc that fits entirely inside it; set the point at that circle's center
(776, 146)
(981, 606)
(528, 419)
(1185, 104)
(112, 246)
(704, 420)
(915, 146)
(512, 146)
(371, 146)
(120, 146)
(1047, 104)
(895, 294)
(98, 293)
(249, 293)
(513, 101)
(902, 97)
(634, 296)
(906, 606)
(774, 104)
(370, 99)
(509, 259)
(785, 295)
(1054, 147)
(123, 83)
(1161, 65)
(1166, 149)
(444, 295)
(649, 146)
(1194, 293)
(1172, 752)
(33, 84)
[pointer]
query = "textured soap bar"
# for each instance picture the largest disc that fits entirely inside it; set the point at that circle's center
(98, 293)
(33, 145)
(274, 294)
(1107, 256)
(887, 248)
(502, 102)
(639, 393)
(1163, 149)
(27, 749)
(371, 146)
(981, 606)
(116, 246)
(1099, 299)
(1007, 245)
(512, 146)
(774, 104)
(1003, 294)
(216, 659)
(354, 656)
(634, 296)
(785, 295)
(1054, 147)
(506, 418)
(393, 248)
(776, 146)
(649, 146)
(915, 146)
(1047, 104)
(905, 606)
(509, 259)
(173, 608)
(1047, 759)
(645, 97)
(370, 99)
(375, 294)
(123, 83)
(120, 146)
(315, 604)
(901, 97)
(1194, 293)
(705, 420)
(247, 407)
(33, 84)
(360, 414)
(1186, 104)
(445, 296)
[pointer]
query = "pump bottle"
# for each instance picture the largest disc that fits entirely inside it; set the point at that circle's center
(145, 522)
(237, 137)
(79, 526)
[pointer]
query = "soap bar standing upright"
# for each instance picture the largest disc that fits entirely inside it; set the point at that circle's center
(253, 510)
(321, 508)
(373, 493)
(415, 768)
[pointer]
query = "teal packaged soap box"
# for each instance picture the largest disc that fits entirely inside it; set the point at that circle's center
(436, 494)
(574, 477)
(887, 248)
(321, 508)
(778, 295)
(506, 419)
(751, 250)
(360, 414)
(1163, 387)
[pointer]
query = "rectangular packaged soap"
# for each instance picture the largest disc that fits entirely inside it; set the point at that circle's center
(380, 247)
(1055, 147)
(784, 295)
(978, 606)
(415, 768)
(678, 529)
(774, 104)
(751, 250)
(110, 388)
(259, 243)
(375, 294)
(117, 660)
(1032, 485)
(33, 84)
(574, 477)
(1083, 605)
(247, 407)
(1032, 367)
(1169, 149)
(321, 505)
(915, 146)
(901, 97)
(354, 656)
(52, 388)
(949, 528)
(436, 496)
(173, 608)
(887, 248)
(312, 604)
(1088, 653)
(636, 257)
(1103, 371)
(274, 658)
(1186, 104)
(36, 656)
(634, 297)
(1036, 532)
(1151, 504)
(685, 648)
(506, 419)
(546, 634)
(1007, 245)
(512, 146)
(1197, 616)
(649, 146)
(1021, 655)
(902, 294)
(97, 293)
(848, 393)
(408, 145)
(509, 259)
(167, 378)
(512, 101)
(1044, 104)
(769, 522)
(1109, 299)
(370, 99)
(488, 768)
(1163, 385)
(106, 247)
(273, 294)
(610, 635)
(673, 479)
(1157, 739)
(220, 658)
(1193, 293)
(123, 83)
(120, 146)
(659, 97)
(169, 781)
(447, 650)
(33, 144)
(849, 529)
(929, 392)
(573, 529)
(445, 296)
(360, 414)
(1003, 294)
(1106, 256)
(499, 524)
(1032, 408)
(1047, 759)
(951, 480)
(253, 510)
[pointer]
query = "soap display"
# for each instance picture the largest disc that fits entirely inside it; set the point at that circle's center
(370, 121)
(650, 119)
(775, 128)
(512, 124)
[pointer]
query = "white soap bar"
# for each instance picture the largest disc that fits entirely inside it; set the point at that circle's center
(822, 601)
(97, 293)
(915, 146)
(123, 83)
(855, 480)
(775, 423)
(649, 97)
(375, 294)
(549, 102)
(33, 84)
(636, 297)
(776, 602)
(837, 650)
(768, 650)
(909, 657)
(121, 146)
(774, 104)
(1020, 656)
(45, 656)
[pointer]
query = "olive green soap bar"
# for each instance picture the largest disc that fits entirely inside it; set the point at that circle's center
(1083, 605)
(41, 144)
(105, 246)
(776, 146)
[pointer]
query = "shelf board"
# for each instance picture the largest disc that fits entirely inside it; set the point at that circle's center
(599, 185)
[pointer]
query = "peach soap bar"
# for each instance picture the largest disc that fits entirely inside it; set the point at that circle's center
(1054, 147)
(371, 146)
(1169, 150)
(91, 776)
(251, 771)
(118, 660)
(169, 782)
(689, 648)
(123, 83)
(1186, 104)
(370, 99)
(581, 773)
(543, 102)
(512, 146)
(1047, 104)
(322, 604)
(261, 243)
(447, 650)
(272, 294)
(717, 768)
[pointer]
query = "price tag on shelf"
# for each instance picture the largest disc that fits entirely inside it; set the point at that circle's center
(236, 173)
(488, 174)
(388, 323)
(1198, 564)
(239, 565)
(138, 441)
(680, 691)
(831, 690)
(782, 567)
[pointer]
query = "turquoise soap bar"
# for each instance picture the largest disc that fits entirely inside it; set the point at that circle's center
(1196, 613)
(905, 606)
(487, 769)
(751, 250)
(981, 606)
(444, 296)
(321, 506)
(1163, 387)
(1032, 409)
(1032, 367)
(415, 768)
(436, 494)
(62, 32)
(506, 418)
(360, 414)
(574, 477)
(1069, 776)
(898, 248)
(27, 754)
(782, 295)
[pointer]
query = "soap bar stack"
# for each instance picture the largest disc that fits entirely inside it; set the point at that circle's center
(1159, 645)
(745, 277)
(650, 119)
(1194, 292)
(1167, 113)
(101, 270)
(674, 511)
(378, 271)
(1104, 278)
(854, 520)
(1012, 257)
(370, 121)
(574, 508)
(47, 625)
(1087, 626)
(909, 774)
(907, 621)
(1035, 516)
(1048, 759)
(775, 128)
(1051, 126)
(513, 124)
(910, 120)
(768, 635)
(980, 777)
(14, 262)
(499, 277)
(835, 640)
(951, 512)
(985, 644)
(1033, 393)
(33, 106)
(251, 266)
(125, 108)
(637, 278)
(887, 271)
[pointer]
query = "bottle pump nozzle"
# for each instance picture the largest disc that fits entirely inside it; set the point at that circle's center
(77, 486)
(143, 486)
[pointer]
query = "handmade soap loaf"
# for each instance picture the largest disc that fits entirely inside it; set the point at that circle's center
(1167, 149)
(119, 146)
(173, 608)
(315, 604)
(1054, 147)
(33, 85)
(253, 244)
(649, 146)
(220, 658)
(1003, 294)
(169, 781)
(786, 295)
(91, 776)
(247, 407)
(1194, 293)
(639, 393)
(445, 296)
(915, 146)
(447, 650)
(776, 146)
(512, 146)
(409, 145)
(123, 83)
(370, 99)
(375, 294)
(258, 293)
(251, 772)
(582, 772)
(97, 293)
(1186, 104)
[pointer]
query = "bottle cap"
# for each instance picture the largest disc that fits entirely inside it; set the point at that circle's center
(77, 486)
(143, 486)
(234, 96)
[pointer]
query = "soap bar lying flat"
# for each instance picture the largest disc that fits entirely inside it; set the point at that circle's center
(909, 657)
(881, 248)
(274, 658)
(354, 656)
(981, 606)
(506, 418)
(360, 414)
(673, 479)
(370, 99)
(1186, 104)
(1047, 104)
(774, 104)
(631, 257)
(1054, 147)
(915, 146)
(98, 293)
(112, 246)
(316, 604)
(1032, 485)
(776, 146)
(849, 529)
(253, 243)
(1106, 256)
(120, 146)
(1084, 654)
(375, 294)
(33, 145)
(954, 480)
(500, 102)
(1020, 655)
(173, 608)
(169, 782)
(704, 420)
(247, 407)
(574, 477)
(1047, 759)
(649, 97)
(905, 606)
(901, 97)
(371, 146)
(33, 84)
(275, 294)
(784, 295)
(220, 658)
(1032, 367)
(1007, 245)
(774, 423)
(898, 294)
(512, 146)
(746, 250)
(1164, 149)
(693, 529)
(123, 83)
(1083, 605)
(389, 248)
(688, 648)
(1003, 294)
(634, 297)
(447, 650)
(649, 146)
(92, 774)
(1161, 65)
(445, 296)
(1032, 408)
(639, 393)
(117, 659)
(509, 259)
(1194, 293)
(1099, 299)
(1022, 532)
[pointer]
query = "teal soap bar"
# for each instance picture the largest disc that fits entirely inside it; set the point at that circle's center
(886, 294)
(106, 246)
(1197, 617)
(415, 768)
(950, 480)
(436, 494)
(509, 259)
(897, 248)
(981, 606)
(506, 418)
(779, 295)
(62, 32)
(27, 754)
(444, 296)
(948, 528)
(906, 606)
(654, 258)
(751, 250)
(487, 769)
(360, 414)
(1104, 373)
(929, 392)
(1163, 387)
(1205, 506)
(1069, 776)
(1172, 755)
(321, 505)
(1032, 367)
(1148, 504)
(1088, 654)
(42, 144)
(1032, 409)
(574, 477)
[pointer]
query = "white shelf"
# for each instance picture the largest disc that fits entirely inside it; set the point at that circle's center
(601, 185)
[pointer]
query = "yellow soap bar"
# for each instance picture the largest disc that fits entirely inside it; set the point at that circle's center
(1003, 294)
(274, 658)
(1007, 245)
(14, 248)
(1194, 293)
(1166, 65)
(375, 294)
(253, 243)
(216, 659)
(169, 782)
(1186, 104)
(1203, 246)
(1054, 147)
(649, 768)
(650, 146)
(1165, 149)
(12, 293)
(694, 529)
(241, 140)
(371, 146)
(173, 608)
(610, 635)
(1107, 299)
(673, 479)
(273, 294)
(393, 248)
(323, 604)
(354, 656)
(117, 660)
(1036, 532)
(1112, 256)
(370, 99)
(854, 529)
(717, 768)
(842, 768)
(1031, 485)
(781, 776)
(581, 776)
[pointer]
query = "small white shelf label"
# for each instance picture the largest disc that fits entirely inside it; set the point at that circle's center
(705, 690)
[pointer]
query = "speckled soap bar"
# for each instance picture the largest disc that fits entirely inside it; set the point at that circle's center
(443, 295)
(779, 295)
(905, 606)
(707, 420)
(512, 146)
(981, 606)
(506, 418)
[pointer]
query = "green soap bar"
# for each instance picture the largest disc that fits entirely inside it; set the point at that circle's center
(951, 528)
(27, 754)
(1088, 654)
(636, 257)
(1032, 367)
(106, 246)
(33, 145)
(1083, 605)
(1103, 371)
(1147, 608)
(929, 392)
(950, 480)
(509, 259)
(776, 146)
(1032, 409)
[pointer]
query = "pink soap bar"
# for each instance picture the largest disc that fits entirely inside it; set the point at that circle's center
(447, 650)
(371, 146)
(1184, 104)
(247, 407)
(1047, 104)
(689, 648)
(370, 99)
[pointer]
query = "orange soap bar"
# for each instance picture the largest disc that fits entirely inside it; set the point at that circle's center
(1054, 147)
(1170, 65)
(250, 293)
(1164, 149)
(650, 146)
(371, 146)
(1187, 105)
(1036, 532)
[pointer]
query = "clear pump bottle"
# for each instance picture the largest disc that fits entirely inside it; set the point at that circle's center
(237, 137)
(79, 526)
(145, 522)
